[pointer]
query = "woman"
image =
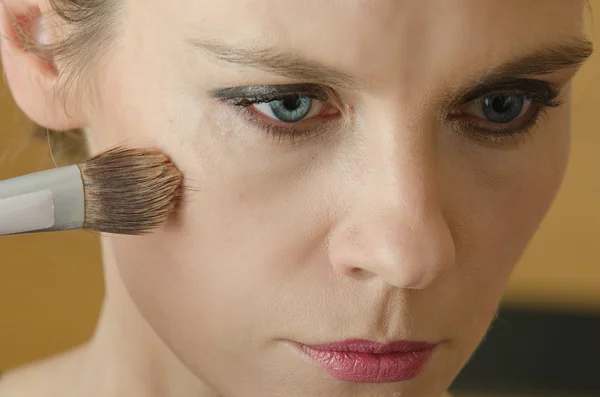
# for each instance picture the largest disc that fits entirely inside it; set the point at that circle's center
(368, 174)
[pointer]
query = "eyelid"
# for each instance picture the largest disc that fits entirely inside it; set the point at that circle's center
(295, 133)
(264, 92)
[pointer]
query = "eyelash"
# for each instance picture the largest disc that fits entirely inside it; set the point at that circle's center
(540, 95)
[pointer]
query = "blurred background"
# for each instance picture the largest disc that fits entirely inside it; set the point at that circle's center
(545, 342)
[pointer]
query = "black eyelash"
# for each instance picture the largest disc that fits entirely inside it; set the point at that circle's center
(536, 90)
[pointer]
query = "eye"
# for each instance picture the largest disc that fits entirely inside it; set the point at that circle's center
(504, 109)
(289, 113)
(292, 108)
(498, 109)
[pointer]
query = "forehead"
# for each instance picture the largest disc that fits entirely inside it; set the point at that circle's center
(402, 38)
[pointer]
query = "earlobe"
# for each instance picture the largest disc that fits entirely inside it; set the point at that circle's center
(29, 69)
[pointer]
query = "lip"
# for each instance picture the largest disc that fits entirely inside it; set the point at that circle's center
(364, 361)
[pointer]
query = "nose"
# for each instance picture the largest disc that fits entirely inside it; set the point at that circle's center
(394, 227)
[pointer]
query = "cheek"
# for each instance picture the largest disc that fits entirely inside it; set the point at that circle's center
(496, 221)
(526, 190)
(194, 279)
(212, 283)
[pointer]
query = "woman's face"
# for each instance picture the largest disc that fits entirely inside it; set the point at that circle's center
(359, 170)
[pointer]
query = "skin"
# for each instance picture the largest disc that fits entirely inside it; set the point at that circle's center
(396, 226)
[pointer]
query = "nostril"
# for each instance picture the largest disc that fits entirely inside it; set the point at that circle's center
(358, 273)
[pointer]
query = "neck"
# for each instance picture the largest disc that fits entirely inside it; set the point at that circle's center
(126, 357)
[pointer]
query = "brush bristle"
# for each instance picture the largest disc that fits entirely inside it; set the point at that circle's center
(130, 191)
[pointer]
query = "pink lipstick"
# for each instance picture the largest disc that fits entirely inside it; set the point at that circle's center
(358, 360)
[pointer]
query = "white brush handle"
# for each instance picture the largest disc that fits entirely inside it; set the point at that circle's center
(26, 213)
(30, 193)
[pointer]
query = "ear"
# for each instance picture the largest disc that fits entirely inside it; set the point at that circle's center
(32, 75)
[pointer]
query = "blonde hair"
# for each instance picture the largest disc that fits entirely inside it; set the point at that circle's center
(91, 27)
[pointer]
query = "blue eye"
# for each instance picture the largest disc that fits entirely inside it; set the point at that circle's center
(503, 108)
(290, 109)
(498, 109)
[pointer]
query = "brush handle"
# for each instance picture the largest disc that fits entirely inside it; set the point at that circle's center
(31, 192)
(26, 213)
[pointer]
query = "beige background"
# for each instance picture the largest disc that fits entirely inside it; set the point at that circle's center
(51, 285)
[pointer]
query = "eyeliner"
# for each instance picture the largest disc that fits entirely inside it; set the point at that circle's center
(270, 92)
(532, 89)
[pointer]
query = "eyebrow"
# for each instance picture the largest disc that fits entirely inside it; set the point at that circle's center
(568, 54)
(282, 63)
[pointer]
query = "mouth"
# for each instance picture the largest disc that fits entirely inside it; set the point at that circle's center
(364, 361)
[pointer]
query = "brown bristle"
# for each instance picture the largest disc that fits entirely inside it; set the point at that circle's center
(130, 191)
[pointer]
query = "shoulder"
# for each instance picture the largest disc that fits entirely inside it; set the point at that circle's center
(41, 379)
(18, 382)
(28, 381)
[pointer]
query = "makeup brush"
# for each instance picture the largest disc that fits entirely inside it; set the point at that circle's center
(120, 191)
